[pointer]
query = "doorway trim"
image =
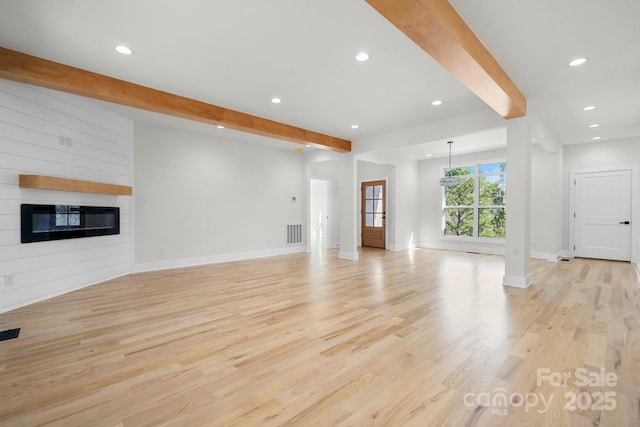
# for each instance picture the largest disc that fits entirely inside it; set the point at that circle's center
(634, 206)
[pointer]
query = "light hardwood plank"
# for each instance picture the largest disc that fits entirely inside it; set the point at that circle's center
(394, 339)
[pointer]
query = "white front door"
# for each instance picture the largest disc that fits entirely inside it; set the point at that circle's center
(602, 214)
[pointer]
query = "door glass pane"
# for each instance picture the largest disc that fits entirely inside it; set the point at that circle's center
(491, 222)
(369, 220)
(373, 208)
(368, 206)
(377, 191)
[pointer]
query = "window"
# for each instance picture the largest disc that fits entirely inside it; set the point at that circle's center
(476, 206)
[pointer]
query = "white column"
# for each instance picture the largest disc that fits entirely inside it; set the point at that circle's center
(518, 233)
(348, 207)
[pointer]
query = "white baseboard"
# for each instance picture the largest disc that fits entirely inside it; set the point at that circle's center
(565, 254)
(215, 259)
(517, 281)
(397, 248)
(352, 256)
(545, 255)
(484, 249)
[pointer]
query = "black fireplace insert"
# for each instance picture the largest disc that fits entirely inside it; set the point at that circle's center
(55, 222)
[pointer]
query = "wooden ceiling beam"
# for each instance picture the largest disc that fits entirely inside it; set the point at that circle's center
(41, 72)
(438, 29)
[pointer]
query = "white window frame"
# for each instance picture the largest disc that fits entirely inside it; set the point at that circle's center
(476, 202)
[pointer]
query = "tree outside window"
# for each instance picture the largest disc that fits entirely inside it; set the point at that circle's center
(459, 203)
(476, 206)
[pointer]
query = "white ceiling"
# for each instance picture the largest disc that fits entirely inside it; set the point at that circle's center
(490, 139)
(240, 53)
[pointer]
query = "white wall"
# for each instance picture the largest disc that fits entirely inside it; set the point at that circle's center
(546, 203)
(201, 199)
(592, 156)
(406, 195)
(31, 121)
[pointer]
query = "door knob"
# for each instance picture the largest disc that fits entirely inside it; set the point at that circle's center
(625, 222)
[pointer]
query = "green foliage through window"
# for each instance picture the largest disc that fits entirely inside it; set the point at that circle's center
(476, 206)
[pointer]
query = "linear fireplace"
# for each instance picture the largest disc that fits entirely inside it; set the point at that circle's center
(55, 222)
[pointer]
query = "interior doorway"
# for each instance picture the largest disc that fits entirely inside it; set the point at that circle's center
(319, 213)
(601, 214)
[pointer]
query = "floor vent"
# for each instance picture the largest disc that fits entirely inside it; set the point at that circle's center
(9, 334)
(294, 233)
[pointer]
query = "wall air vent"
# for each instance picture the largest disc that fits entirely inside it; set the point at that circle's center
(294, 234)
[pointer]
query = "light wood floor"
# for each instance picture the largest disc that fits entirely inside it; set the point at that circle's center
(396, 339)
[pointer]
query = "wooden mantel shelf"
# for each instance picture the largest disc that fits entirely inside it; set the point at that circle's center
(43, 182)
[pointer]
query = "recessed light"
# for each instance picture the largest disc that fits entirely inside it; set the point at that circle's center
(354, 126)
(589, 107)
(125, 50)
(276, 100)
(595, 138)
(436, 102)
(362, 56)
(577, 61)
(429, 155)
(220, 127)
(595, 125)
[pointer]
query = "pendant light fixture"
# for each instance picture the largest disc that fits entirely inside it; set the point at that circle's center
(449, 180)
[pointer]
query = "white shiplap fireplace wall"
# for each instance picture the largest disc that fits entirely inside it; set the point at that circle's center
(32, 120)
